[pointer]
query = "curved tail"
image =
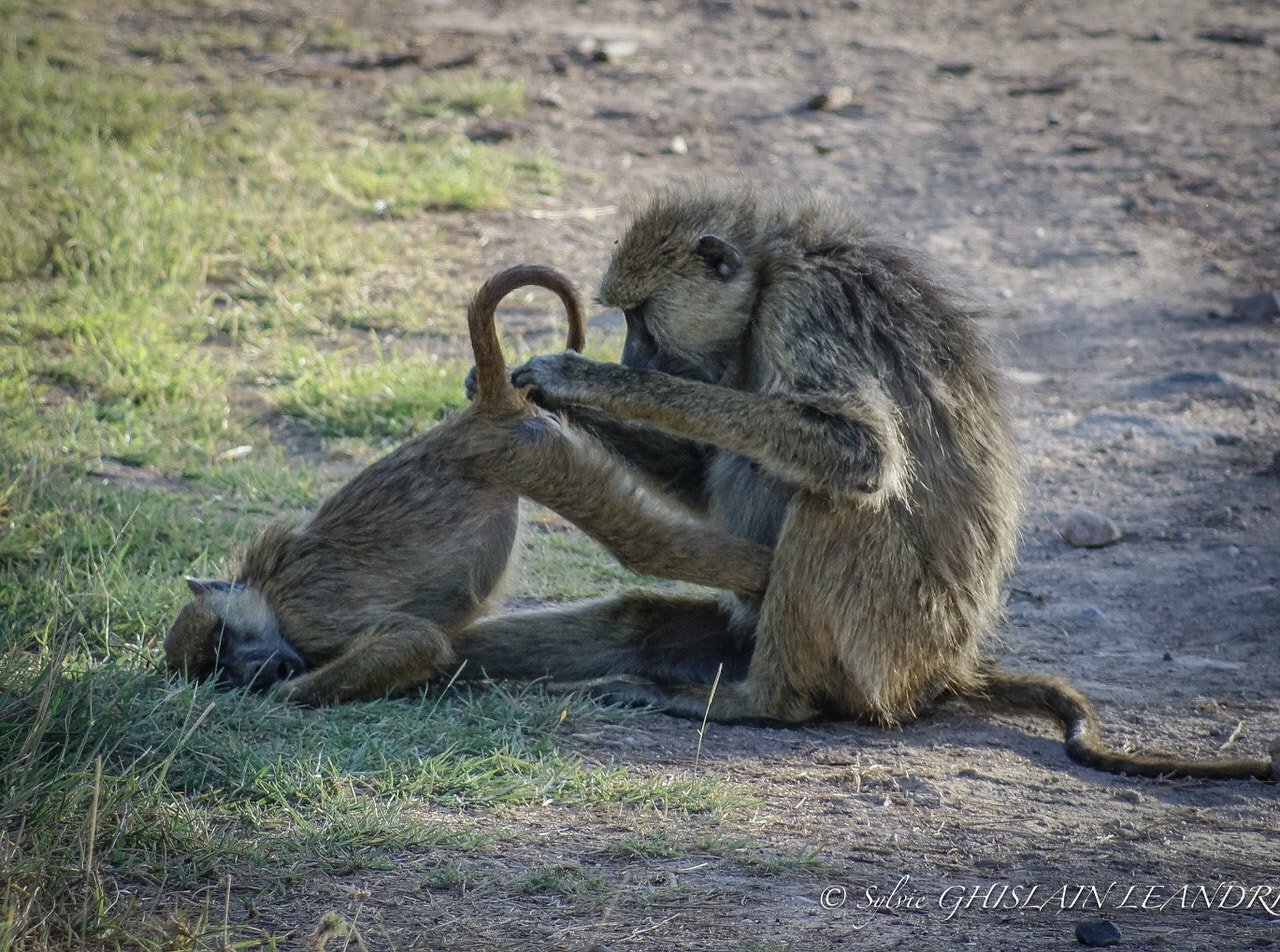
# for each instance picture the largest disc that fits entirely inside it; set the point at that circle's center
(1053, 697)
(493, 387)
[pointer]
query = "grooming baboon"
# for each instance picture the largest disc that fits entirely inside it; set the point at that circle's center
(364, 599)
(368, 597)
(799, 382)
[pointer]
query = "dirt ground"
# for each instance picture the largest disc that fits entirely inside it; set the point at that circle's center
(1106, 178)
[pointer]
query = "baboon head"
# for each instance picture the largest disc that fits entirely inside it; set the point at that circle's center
(683, 275)
(229, 629)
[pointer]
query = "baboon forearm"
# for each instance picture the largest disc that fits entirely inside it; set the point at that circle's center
(828, 444)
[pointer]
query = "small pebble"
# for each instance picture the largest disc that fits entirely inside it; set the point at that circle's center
(1196, 383)
(1083, 144)
(1223, 517)
(1256, 308)
(678, 146)
(1237, 35)
(1092, 613)
(614, 50)
(1097, 935)
(1089, 530)
(832, 100)
(956, 68)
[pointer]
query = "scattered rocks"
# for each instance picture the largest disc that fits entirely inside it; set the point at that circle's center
(1257, 308)
(831, 100)
(1119, 428)
(1097, 934)
(1087, 529)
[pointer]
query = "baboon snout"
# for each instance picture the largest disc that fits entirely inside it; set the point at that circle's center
(261, 669)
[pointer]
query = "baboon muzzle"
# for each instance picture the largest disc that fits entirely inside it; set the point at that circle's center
(262, 670)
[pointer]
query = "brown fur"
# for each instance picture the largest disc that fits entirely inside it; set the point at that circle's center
(791, 379)
(366, 597)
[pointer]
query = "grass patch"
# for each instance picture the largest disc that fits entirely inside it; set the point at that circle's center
(397, 178)
(336, 395)
(169, 246)
(189, 266)
(435, 96)
(110, 775)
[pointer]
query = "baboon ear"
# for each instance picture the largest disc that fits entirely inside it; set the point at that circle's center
(207, 586)
(721, 257)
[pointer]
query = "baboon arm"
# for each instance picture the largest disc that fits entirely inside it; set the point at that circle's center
(571, 473)
(837, 444)
(394, 654)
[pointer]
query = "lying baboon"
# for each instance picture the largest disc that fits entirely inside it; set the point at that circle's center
(366, 597)
(799, 382)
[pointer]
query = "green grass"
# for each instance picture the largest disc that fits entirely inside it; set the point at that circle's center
(191, 265)
(434, 96)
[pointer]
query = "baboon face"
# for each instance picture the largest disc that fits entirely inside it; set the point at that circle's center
(230, 632)
(685, 286)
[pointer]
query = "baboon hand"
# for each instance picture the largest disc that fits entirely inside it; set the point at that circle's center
(559, 377)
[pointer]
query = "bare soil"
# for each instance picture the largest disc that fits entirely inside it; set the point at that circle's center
(1106, 178)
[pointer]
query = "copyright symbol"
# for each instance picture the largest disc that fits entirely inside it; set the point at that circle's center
(833, 897)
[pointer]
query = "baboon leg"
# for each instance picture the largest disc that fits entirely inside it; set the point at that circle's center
(667, 637)
(791, 670)
(394, 654)
(573, 474)
(813, 657)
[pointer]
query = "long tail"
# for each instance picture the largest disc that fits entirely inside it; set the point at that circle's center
(493, 388)
(1053, 697)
